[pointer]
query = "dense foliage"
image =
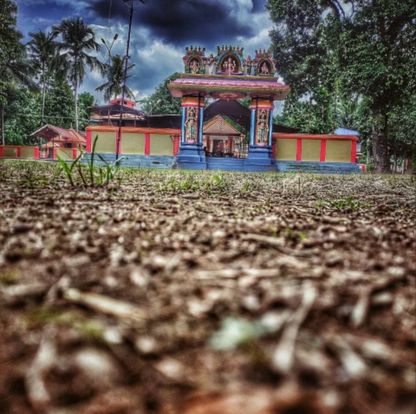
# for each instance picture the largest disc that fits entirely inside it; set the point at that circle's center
(162, 102)
(34, 86)
(350, 64)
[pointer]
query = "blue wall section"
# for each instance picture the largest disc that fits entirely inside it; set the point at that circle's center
(318, 167)
(138, 161)
(227, 164)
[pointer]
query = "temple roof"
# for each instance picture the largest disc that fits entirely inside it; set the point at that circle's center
(232, 109)
(58, 134)
(112, 111)
(228, 86)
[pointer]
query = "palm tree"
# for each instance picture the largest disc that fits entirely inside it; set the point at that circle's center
(46, 61)
(115, 73)
(77, 39)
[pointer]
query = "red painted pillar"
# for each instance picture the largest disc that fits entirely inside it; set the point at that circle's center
(353, 150)
(74, 153)
(299, 149)
(322, 157)
(1, 151)
(89, 141)
(36, 153)
(176, 141)
(147, 143)
(54, 151)
(18, 152)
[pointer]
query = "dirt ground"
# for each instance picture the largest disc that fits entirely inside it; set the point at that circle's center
(206, 293)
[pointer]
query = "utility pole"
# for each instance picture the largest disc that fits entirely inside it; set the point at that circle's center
(126, 66)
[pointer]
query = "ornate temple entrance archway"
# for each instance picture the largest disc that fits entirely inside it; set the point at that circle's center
(228, 76)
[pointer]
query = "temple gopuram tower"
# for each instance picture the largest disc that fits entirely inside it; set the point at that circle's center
(227, 76)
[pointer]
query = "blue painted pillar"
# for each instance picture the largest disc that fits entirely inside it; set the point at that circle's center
(252, 125)
(191, 154)
(270, 127)
(201, 126)
(183, 124)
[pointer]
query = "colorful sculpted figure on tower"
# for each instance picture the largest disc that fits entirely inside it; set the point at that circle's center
(210, 65)
(229, 66)
(194, 66)
(264, 69)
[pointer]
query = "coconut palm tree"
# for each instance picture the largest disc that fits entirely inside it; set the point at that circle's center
(77, 41)
(115, 73)
(46, 62)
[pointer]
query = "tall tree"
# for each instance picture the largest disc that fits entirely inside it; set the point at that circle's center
(14, 67)
(46, 62)
(364, 50)
(378, 59)
(77, 42)
(114, 72)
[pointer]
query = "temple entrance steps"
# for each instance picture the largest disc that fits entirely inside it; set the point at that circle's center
(224, 163)
(317, 167)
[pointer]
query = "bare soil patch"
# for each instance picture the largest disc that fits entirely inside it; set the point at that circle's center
(184, 292)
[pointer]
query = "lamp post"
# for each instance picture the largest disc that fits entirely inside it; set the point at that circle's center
(109, 47)
(130, 3)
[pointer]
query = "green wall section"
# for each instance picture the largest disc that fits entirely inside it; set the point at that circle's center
(132, 143)
(161, 145)
(285, 149)
(311, 149)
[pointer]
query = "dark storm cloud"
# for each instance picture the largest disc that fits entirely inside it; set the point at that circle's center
(184, 21)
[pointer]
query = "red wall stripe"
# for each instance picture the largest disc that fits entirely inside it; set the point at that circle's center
(146, 143)
(89, 142)
(176, 140)
(354, 151)
(322, 156)
(299, 149)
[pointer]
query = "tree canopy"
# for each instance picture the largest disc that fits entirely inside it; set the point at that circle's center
(161, 101)
(349, 64)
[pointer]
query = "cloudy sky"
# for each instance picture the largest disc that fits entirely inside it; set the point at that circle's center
(162, 29)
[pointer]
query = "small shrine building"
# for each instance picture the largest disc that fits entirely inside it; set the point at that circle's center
(226, 123)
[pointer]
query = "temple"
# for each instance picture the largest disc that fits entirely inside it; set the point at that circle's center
(226, 123)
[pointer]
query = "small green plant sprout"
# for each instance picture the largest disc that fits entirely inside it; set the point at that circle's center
(91, 174)
(68, 168)
(237, 332)
(347, 204)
